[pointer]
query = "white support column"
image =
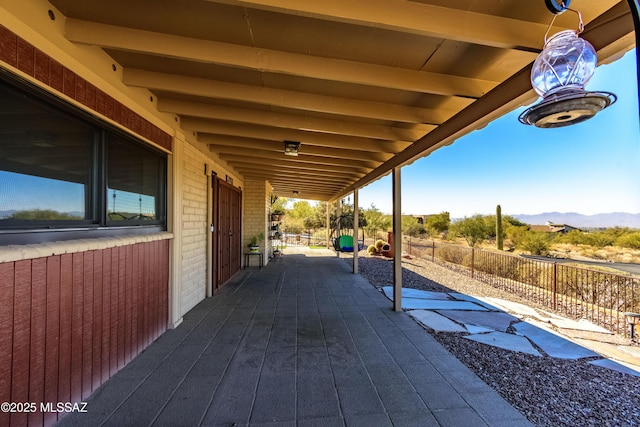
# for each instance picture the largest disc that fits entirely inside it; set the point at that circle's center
(174, 198)
(328, 231)
(356, 214)
(397, 241)
(338, 221)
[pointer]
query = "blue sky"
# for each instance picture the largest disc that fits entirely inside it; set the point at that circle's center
(588, 168)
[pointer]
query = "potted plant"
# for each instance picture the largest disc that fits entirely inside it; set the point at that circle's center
(254, 242)
(276, 214)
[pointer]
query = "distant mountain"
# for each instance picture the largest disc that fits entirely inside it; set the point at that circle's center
(4, 214)
(620, 219)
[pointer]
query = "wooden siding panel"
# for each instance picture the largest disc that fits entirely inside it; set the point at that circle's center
(113, 333)
(96, 351)
(66, 314)
(6, 335)
(77, 311)
(106, 314)
(145, 301)
(21, 338)
(128, 315)
(38, 329)
(135, 348)
(87, 326)
(69, 322)
(122, 303)
(52, 352)
(155, 300)
(164, 291)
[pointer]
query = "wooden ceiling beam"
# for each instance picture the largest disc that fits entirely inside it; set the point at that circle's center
(272, 61)
(284, 98)
(267, 156)
(305, 137)
(302, 175)
(415, 18)
(278, 146)
(251, 162)
(292, 121)
(320, 178)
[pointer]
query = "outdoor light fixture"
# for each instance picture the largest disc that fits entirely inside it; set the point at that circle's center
(291, 148)
(632, 320)
(295, 192)
(559, 75)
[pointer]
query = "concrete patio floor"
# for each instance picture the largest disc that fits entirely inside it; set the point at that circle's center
(301, 342)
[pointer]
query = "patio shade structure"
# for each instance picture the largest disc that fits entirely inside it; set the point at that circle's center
(365, 87)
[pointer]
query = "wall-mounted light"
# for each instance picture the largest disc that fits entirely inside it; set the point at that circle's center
(559, 75)
(295, 192)
(291, 148)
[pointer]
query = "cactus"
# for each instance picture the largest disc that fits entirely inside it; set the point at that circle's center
(499, 234)
(372, 250)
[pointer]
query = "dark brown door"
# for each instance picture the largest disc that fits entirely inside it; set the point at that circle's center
(227, 208)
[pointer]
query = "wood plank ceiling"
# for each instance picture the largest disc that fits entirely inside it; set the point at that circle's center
(363, 85)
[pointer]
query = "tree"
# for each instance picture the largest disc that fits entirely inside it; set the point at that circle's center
(278, 204)
(516, 233)
(376, 221)
(43, 214)
(318, 217)
(437, 223)
(474, 229)
(411, 226)
(301, 209)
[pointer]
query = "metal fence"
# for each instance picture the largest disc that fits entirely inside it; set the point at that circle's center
(581, 293)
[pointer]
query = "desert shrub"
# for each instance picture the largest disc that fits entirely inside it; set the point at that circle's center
(499, 265)
(630, 240)
(600, 239)
(535, 243)
(535, 274)
(451, 254)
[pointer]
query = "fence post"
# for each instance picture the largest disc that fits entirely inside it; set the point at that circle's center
(473, 254)
(433, 251)
(555, 286)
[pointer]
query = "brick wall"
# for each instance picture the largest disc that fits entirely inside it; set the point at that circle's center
(195, 230)
(256, 205)
(20, 54)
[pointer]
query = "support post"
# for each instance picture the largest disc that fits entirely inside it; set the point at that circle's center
(338, 220)
(328, 233)
(397, 241)
(356, 215)
(634, 5)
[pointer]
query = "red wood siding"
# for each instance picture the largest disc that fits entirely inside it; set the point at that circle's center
(20, 54)
(69, 322)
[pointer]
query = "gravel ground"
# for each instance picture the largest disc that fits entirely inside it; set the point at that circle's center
(549, 392)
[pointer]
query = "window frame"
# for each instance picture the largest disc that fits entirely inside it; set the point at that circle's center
(99, 225)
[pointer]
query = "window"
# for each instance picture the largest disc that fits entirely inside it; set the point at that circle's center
(61, 170)
(133, 193)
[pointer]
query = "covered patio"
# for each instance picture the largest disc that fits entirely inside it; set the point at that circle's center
(302, 341)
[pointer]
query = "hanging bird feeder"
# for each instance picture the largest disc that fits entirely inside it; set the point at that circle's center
(559, 74)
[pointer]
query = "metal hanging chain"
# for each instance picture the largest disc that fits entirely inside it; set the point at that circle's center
(580, 22)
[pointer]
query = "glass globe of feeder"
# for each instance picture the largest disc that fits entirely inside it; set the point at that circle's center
(559, 74)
